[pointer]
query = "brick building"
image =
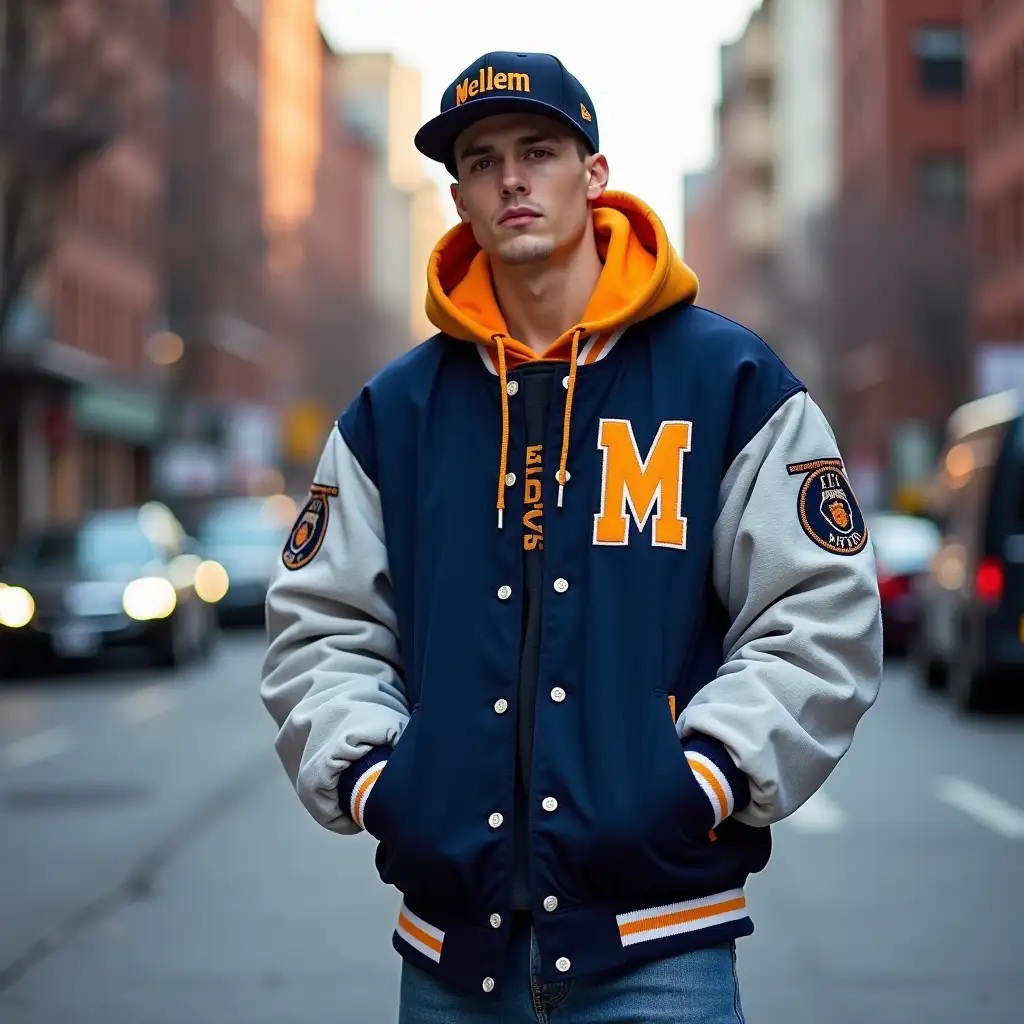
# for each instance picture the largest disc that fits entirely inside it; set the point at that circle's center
(78, 397)
(997, 188)
(217, 243)
(898, 270)
(322, 302)
(731, 227)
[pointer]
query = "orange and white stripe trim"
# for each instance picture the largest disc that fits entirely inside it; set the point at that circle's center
(598, 346)
(423, 937)
(592, 350)
(361, 791)
(716, 786)
(678, 918)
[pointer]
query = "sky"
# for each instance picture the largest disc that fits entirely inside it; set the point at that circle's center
(651, 69)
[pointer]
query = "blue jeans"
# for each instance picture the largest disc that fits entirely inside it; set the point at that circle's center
(699, 987)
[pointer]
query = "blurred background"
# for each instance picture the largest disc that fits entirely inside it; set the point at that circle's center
(214, 229)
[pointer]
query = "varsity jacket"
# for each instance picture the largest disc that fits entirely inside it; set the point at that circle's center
(709, 621)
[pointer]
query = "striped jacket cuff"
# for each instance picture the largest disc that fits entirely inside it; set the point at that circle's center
(724, 785)
(356, 781)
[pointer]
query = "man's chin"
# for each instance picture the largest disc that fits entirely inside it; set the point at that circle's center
(524, 250)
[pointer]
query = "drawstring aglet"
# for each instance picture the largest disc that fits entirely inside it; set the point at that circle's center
(501, 519)
(561, 491)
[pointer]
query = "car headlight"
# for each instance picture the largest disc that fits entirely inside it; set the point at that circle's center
(211, 581)
(150, 597)
(17, 607)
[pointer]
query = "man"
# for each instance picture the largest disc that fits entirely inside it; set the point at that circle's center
(581, 602)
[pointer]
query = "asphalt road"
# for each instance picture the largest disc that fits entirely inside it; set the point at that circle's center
(155, 867)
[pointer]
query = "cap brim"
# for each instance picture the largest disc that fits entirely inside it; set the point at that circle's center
(436, 139)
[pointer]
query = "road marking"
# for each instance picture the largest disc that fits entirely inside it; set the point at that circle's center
(820, 815)
(981, 805)
(33, 749)
(146, 704)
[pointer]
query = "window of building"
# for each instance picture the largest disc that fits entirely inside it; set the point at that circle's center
(1017, 220)
(942, 183)
(994, 249)
(940, 53)
(988, 101)
(1015, 83)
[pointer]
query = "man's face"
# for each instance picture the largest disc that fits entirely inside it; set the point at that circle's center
(524, 186)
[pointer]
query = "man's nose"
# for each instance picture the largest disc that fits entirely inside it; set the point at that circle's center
(512, 180)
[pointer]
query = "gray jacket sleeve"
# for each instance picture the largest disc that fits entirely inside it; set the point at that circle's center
(331, 676)
(803, 655)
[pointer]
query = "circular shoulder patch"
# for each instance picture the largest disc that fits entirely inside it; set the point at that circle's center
(829, 513)
(307, 534)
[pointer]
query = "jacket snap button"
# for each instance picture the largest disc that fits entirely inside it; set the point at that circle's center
(561, 585)
(504, 593)
(558, 695)
(563, 964)
(512, 387)
(565, 382)
(550, 903)
(550, 803)
(495, 820)
(488, 984)
(510, 479)
(495, 920)
(501, 705)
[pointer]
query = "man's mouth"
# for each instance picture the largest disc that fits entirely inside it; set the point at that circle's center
(517, 216)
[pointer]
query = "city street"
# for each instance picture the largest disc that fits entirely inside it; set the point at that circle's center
(155, 867)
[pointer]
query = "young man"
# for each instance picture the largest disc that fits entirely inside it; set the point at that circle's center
(581, 602)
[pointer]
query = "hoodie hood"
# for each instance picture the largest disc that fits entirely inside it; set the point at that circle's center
(642, 276)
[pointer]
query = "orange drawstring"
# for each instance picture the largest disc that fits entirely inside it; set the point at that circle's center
(563, 477)
(503, 468)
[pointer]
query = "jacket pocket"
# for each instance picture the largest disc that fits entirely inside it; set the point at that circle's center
(386, 806)
(684, 795)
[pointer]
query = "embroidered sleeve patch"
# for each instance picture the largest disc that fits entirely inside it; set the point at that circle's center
(827, 507)
(310, 528)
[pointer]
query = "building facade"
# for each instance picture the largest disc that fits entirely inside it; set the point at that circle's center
(806, 113)
(382, 104)
(732, 224)
(898, 252)
(222, 425)
(79, 394)
(997, 190)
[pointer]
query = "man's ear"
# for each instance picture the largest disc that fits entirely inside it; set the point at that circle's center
(460, 206)
(597, 175)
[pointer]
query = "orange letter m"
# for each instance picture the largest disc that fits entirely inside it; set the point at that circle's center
(634, 486)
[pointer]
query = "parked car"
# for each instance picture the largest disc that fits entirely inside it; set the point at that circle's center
(904, 547)
(971, 634)
(246, 536)
(121, 578)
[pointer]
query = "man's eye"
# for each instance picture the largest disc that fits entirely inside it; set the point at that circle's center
(540, 152)
(482, 164)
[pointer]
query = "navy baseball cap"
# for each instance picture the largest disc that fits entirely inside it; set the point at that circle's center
(500, 83)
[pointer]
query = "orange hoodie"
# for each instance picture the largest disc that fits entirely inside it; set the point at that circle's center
(642, 276)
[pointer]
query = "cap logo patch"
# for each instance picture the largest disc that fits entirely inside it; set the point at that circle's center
(585, 114)
(310, 528)
(827, 507)
(490, 80)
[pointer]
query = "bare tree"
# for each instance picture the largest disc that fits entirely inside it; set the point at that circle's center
(60, 72)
